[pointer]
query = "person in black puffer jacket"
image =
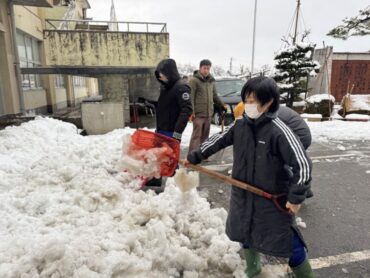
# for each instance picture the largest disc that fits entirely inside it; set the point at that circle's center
(262, 146)
(174, 104)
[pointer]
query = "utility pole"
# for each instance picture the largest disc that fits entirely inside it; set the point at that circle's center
(296, 21)
(254, 36)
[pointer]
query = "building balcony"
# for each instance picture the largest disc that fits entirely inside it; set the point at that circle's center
(94, 43)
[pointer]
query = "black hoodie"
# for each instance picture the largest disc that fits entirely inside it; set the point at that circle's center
(174, 103)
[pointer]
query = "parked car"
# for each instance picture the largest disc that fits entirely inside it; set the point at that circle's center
(229, 90)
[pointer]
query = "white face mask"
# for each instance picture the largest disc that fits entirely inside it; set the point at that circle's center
(252, 111)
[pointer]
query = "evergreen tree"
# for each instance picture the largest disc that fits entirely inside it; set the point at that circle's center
(354, 26)
(293, 66)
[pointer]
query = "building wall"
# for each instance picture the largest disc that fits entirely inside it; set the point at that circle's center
(35, 100)
(348, 70)
(29, 20)
(8, 82)
(61, 98)
(127, 88)
(2, 55)
(80, 93)
(76, 48)
(143, 86)
(57, 12)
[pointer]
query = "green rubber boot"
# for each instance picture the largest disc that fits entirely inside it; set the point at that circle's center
(253, 262)
(304, 270)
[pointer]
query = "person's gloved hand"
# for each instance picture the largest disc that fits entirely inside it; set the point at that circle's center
(195, 157)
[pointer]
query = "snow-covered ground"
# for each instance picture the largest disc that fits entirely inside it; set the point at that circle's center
(339, 130)
(67, 210)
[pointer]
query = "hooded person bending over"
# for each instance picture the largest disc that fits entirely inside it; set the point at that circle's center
(262, 146)
(174, 104)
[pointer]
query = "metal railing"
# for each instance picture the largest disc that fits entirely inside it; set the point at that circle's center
(95, 25)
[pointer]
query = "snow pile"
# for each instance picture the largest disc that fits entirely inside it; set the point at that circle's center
(339, 130)
(186, 181)
(67, 211)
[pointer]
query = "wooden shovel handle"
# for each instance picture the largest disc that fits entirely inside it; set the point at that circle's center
(227, 179)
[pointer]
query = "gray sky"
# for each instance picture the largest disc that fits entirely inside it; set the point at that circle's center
(220, 29)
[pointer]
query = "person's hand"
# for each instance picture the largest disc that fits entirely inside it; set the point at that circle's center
(186, 162)
(191, 118)
(294, 208)
(194, 157)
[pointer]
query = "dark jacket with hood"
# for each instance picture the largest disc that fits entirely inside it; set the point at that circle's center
(174, 104)
(261, 148)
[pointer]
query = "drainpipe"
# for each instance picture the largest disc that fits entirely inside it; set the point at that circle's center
(16, 56)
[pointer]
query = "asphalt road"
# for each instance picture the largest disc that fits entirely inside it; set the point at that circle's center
(338, 217)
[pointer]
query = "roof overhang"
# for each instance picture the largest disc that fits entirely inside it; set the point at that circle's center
(35, 3)
(87, 70)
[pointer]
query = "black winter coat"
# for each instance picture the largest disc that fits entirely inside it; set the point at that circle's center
(297, 124)
(174, 104)
(261, 149)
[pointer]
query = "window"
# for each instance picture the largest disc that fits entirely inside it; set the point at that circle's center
(79, 81)
(59, 81)
(29, 57)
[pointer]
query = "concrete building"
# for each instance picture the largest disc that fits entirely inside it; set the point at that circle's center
(65, 57)
(36, 93)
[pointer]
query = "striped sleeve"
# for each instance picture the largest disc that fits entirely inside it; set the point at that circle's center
(217, 142)
(294, 154)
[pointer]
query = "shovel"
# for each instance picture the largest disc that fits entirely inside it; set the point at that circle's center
(275, 198)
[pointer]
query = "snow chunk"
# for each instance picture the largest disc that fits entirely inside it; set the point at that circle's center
(186, 181)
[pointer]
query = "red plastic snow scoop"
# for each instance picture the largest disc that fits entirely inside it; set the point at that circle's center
(169, 158)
